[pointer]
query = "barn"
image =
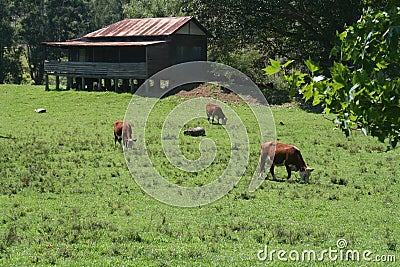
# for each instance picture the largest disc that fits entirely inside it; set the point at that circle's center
(123, 55)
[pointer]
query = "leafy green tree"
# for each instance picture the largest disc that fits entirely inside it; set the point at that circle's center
(6, 37)
(284, 28)
(106, 12)
(13, 69)
(33, 31)
(66, 20)
(49, 20)
(153, 8)
(363, 86)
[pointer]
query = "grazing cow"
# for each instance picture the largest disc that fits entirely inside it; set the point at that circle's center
(285, 155)
(123, 131)
(215, 111)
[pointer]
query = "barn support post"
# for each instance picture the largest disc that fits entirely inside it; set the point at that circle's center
(69, 82)
(57, 82)
(115, 84)
(125, 85)
(107, 84)
(77, 83)
(83, 83)
(89, 84)
(132, 84)
(99, 84)
(46, 79)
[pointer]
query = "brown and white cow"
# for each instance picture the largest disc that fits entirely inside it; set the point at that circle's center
(284, 155)
(123, 131)
(214, 110)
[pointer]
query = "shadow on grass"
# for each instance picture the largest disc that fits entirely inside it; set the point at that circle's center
(284, 180)
(7, 137)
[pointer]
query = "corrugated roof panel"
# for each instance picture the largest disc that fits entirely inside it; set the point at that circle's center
(141, 27)
(84, 43)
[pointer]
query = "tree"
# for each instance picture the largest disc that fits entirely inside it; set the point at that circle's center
(284, 28)
(66, 20)
(49, 20)
(363, 86)
(153, 8)
(106, 12)
(33, 31)
(6, 37)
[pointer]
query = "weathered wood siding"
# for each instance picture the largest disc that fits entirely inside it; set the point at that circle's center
(96, 69)
(186, 48)
(108, 54)
(158, 58)
(181, 48)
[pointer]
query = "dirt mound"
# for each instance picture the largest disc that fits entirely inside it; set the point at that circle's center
(213, 91)
(272, 95)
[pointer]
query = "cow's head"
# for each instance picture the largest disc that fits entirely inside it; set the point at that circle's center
(128, 143)
(224, 119)
(305, 174)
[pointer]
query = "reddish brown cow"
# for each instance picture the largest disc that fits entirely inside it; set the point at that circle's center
(285, 155)
(214, 110)
(123, 131)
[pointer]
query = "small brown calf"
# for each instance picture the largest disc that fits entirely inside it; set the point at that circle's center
(214, 110)
(284, 155)
(123, 131)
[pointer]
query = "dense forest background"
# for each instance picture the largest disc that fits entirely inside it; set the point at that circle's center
(246, 33)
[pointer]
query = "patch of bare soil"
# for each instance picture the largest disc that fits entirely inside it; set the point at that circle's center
(272, 95)
(212, 91)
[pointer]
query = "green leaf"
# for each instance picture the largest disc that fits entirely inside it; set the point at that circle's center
(275, 67)
(298, 78)
(327, 110)
(308, 91)
(317, 97)
(336, 86)
(288, 63)
(313, 67)
(381, 65)
(343, 35)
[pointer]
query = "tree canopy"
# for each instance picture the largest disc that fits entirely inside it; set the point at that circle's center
(285, 28)
(363, 84)
(6, 39)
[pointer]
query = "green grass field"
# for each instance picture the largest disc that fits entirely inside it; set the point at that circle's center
(67, 197)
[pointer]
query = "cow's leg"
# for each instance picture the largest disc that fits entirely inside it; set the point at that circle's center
(262, 164)
(124, 141)
(289, 171)
(271, 170)
(115, 139)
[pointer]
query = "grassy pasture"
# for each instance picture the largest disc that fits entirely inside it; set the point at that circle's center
(67, 197)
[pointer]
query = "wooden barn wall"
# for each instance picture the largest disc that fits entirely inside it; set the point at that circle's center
(124, 54)
(158, 58)
(188, 48)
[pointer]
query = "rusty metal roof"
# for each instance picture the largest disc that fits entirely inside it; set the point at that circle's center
(142, 27)
(89, 43)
